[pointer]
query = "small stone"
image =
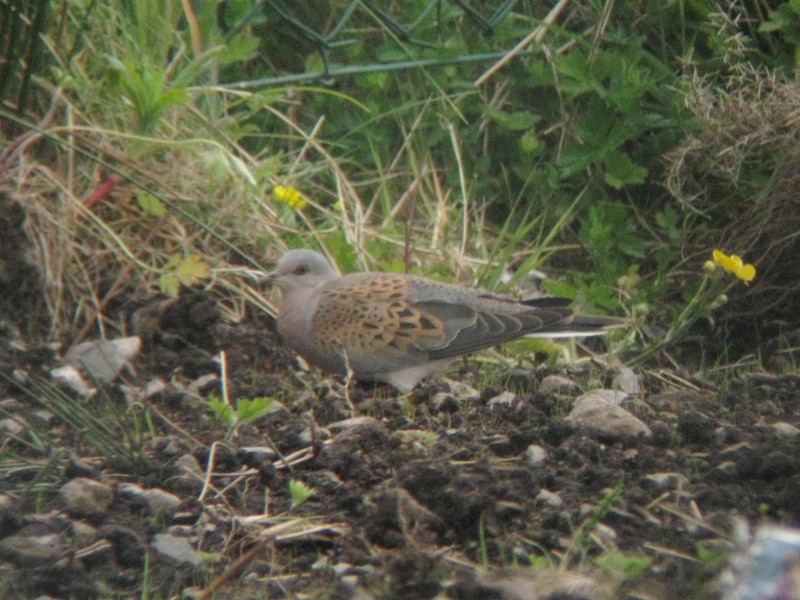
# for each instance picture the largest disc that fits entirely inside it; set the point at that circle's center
(199, 385)
(321, 565)
(695, 427)
(747, 460)
(549, 498)
(638, 408)
(154, 500)
(177, 548)
(341, 568)
(463, 392)
(615, 397)
(129, 551)
(10, 516)
(82, 533)
(12, 425)
(444, 402)
(188, 465)
(503, 400)
(96, 554)
(535, 455)
(670, 402)
(725, 435)
(71, 377)
(507, 509)
(596, 413)
(312, 434)
(725, 471)
(44, 417)
(85, 497)
(160, 502)
(785, 431)
(663, 434)
(501, 445)
(102, 360)
(556, 384)
(256, 455)
(33, 546)
(628, 381)
(777, 465)
(326, 481)
(521, 381)
(737, 450)
(664, 481)
(154, 386)
(606, 532)
(171, 445)
(355, 423)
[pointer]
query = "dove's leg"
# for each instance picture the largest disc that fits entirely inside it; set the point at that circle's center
(348, 380)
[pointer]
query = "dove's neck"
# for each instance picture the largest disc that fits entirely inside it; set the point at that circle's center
(295, 325)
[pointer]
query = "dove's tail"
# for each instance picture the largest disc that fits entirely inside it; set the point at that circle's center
(581, 325)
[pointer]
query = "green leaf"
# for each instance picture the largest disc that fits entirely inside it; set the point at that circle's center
(151, 205)
(191, 270)
(575, 73)
(785, 16)
(541, 563)
(560, 289)
(224, 412)
(710, 555)
(249, 410)
(169, 98)
(169, 285)
(629, 565)
(601, 295)
(235, 11)
(299, 492)
(668, 219)
(178, 271)
(342, 251)
(393, 266)
(622, 171)
(239, 48)
(530, 144)
(514, 121)
(533, 349)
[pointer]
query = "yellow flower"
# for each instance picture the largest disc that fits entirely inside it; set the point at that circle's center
(733, 264)
(286, 194)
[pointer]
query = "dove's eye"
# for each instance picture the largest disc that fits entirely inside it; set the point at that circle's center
(300, 270)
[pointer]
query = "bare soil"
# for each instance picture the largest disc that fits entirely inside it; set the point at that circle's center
(428, 495)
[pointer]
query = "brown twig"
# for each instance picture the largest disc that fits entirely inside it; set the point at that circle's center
(534, 36)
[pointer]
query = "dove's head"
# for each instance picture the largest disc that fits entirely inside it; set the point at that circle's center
(299, 269)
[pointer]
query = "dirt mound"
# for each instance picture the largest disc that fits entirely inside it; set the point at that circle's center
(450, 489)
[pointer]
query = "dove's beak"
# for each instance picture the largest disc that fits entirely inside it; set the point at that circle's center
(268, 279)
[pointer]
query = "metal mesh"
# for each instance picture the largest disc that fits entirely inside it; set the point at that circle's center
(343, 30)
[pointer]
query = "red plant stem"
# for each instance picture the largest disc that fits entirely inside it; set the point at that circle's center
(109, 184)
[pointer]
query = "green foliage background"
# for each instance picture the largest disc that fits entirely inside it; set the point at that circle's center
(562, 157)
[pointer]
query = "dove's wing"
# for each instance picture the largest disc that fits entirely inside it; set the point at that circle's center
(392, 321)
(370, 318)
